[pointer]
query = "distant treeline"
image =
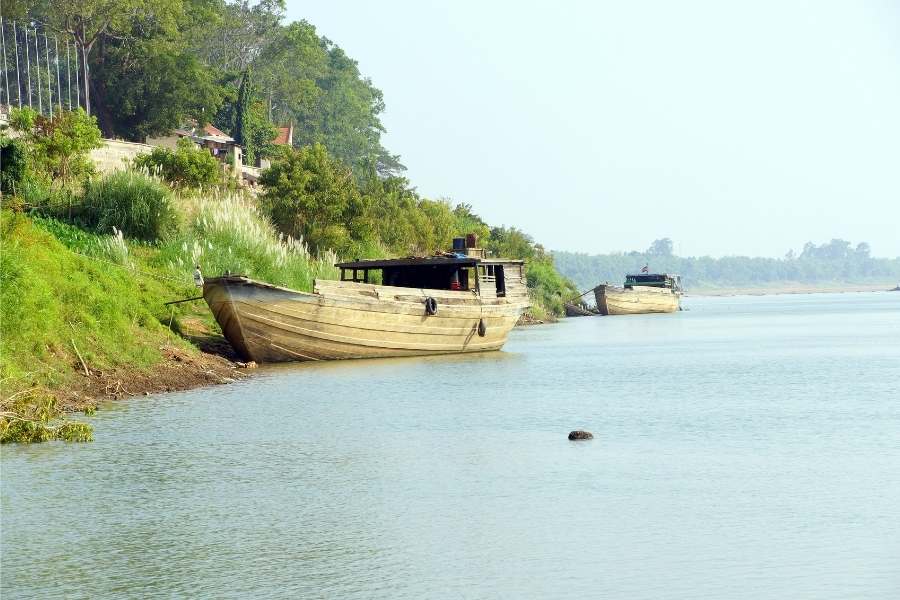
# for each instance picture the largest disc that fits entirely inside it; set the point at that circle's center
(837, 261)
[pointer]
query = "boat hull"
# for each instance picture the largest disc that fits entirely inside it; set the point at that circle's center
(343, 320)
(612, 300)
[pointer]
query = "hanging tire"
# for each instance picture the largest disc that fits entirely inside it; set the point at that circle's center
(482, 328)
(430, 306)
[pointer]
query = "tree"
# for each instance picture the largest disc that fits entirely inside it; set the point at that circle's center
(241, 33)
(89, 22)
(138, 76)
(58, 147)
(863, 250)
(148, 90)
(511, 243)
(311, 196)
(312, 82)
(661, 247)
(242, 117)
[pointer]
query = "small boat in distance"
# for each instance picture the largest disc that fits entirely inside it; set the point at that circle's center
(449, 303)
(644, 293)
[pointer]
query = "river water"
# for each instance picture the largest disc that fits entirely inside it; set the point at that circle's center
(748, 447)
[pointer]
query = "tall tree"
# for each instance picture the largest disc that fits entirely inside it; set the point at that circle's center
(242, 32)
(89, 22)
(242, 117)
(661, 247)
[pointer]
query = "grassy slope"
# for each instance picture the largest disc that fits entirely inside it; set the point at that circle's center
(51, 296)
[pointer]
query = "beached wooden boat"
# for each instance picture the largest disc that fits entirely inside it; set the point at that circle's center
(645, 293)
(436, 305)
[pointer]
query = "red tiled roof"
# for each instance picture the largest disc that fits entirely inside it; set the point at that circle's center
(281, 138)
(212, 130)
(284, 136)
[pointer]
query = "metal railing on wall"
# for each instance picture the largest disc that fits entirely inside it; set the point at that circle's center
(39, 69)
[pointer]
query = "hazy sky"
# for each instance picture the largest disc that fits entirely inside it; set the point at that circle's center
(733, 128)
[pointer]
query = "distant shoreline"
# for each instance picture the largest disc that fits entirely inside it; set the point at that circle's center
(791, 289)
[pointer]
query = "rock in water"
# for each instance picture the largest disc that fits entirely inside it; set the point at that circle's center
(580, 435)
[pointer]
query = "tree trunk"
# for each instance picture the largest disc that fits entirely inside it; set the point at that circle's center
(87, 85)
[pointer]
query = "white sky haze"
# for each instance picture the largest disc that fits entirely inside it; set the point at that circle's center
(733, 128)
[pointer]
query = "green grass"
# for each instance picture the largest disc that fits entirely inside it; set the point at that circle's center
(50, 297)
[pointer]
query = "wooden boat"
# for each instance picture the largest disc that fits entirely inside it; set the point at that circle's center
(644, 293)
(436, 305)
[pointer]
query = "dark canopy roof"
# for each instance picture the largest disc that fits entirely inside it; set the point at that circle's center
(435, 261)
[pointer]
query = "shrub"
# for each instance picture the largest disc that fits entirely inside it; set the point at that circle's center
(186, 166)
(549, 290)
(138, 205)
(58, 146)
(13, 164)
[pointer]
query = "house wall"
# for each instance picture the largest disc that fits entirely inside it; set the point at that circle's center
(167, 141)
(115, 155)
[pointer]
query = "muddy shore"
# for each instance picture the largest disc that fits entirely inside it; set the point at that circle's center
(179, 370)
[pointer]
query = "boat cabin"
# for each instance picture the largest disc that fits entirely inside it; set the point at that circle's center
(487, 277)
(660, 280)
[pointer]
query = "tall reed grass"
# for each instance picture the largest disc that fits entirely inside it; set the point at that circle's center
(137, 204)
(227, 233)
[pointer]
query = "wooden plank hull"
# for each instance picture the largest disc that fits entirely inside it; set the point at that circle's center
(341, 320)
(613, 300)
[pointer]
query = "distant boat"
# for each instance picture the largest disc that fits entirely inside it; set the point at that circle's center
(644, 293)
(460, 302)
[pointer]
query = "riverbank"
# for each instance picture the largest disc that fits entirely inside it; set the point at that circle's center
(83, 320)
(792, 288)
(78, 329)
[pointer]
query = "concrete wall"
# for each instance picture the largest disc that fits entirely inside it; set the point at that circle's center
(116, 155)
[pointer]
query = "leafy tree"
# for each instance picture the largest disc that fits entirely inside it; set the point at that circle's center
(137, 76)
(310, 195)
(313, 83)
(239, 34)
(661, 247)
(511, 243)
(468, 222)
(243, 116)
(92, 22)
(148, 91)
(58, 147)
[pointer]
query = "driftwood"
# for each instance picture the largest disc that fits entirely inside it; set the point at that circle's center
(87, 372)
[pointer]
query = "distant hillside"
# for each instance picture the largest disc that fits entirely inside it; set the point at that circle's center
(837, 262)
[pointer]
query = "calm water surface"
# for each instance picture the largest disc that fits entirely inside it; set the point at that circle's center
(748, 447)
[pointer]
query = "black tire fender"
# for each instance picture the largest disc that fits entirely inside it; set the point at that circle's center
(430, 306)
(482, 328)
